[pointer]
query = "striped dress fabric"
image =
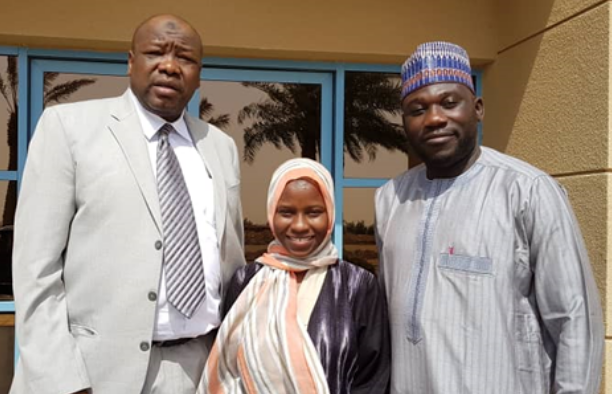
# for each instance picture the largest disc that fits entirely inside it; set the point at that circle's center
(269, 352)
(488, 282)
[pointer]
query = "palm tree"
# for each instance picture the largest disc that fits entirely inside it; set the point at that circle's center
(206, 109)
(371, 99)
(58, 93)
(290, 116)
(51, 94)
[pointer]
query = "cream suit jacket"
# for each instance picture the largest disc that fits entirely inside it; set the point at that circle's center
(87, 257)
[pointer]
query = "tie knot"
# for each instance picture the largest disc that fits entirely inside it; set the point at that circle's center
(165, 130)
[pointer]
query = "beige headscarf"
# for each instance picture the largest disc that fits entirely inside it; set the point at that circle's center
(262, 345)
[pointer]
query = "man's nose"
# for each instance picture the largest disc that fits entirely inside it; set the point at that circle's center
(169, 65)
(435, 117)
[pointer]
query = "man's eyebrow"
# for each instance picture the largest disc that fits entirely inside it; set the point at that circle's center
(416, 100)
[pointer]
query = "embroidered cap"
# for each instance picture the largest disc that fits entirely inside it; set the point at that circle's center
(434, 62)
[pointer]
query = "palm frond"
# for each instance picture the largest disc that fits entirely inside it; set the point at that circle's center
(13, 77)
(62, 91)
(3, 89)
(206, 108)
(221, 121)
(291, 113)
(48, 79)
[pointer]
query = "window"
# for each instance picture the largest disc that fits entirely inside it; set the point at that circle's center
(270, 122)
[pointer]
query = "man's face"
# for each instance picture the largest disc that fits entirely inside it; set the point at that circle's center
(164, 66)
(441, 124)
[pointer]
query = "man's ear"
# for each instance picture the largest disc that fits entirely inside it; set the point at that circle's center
(479, 108)
(130, 60)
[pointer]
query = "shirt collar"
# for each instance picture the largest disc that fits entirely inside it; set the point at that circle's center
(151, 123)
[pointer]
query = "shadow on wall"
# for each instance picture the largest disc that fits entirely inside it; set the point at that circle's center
(505, 84)
(506, 80)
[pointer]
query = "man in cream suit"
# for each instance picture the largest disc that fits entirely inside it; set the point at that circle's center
(114, 193)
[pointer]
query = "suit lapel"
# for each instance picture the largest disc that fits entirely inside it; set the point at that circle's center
(125, 126)
(202, 140)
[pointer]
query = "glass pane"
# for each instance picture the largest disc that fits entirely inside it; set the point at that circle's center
(374, 141)
(8, 201)
(7, 349)
(358, 224)
(70, 88)
(8, 112)
(271, 123)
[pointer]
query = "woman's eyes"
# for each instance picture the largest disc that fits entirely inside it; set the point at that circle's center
(311, 213)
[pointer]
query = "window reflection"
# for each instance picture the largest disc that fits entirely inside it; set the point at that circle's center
(270, 123)
(70, 88)
(358, 228)
(9, 86)
(374, 141)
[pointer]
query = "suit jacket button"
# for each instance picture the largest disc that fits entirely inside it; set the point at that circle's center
(152, 296)
(158, 245)
(144, 346)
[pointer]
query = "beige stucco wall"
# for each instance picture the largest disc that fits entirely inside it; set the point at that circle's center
(520, 19)
(547, 97)
(347, 30)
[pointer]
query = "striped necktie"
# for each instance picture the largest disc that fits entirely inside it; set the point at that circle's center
(184, 270)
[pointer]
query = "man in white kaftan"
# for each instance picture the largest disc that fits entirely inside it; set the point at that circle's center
(488, 282)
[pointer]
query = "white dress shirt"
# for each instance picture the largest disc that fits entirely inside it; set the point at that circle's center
(171, 324)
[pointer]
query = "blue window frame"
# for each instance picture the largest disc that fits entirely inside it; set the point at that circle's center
(330, 76)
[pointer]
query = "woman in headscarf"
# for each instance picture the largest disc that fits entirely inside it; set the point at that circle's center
(299, 320)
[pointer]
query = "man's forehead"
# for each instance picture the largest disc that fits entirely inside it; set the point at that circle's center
(159, 28)
(436, 90)
(162, 27)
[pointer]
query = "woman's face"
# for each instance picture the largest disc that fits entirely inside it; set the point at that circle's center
(300, 221)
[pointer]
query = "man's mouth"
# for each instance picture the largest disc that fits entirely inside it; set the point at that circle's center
(439, 138)
(165, 88)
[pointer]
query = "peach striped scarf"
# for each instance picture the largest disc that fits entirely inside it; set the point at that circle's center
(262, 347)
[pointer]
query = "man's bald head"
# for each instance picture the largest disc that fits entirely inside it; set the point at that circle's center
(164, 65)
(169, 22)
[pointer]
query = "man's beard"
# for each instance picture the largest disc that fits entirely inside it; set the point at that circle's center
(462, 152)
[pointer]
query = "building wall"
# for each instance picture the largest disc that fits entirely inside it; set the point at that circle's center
(340, 30)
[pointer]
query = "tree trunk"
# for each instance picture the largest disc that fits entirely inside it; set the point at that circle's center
(10, 203)
(309, 149)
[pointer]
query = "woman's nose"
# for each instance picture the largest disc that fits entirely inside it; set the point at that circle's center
(299, 223)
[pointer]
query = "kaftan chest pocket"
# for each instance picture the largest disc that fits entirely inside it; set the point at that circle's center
(466, 264)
